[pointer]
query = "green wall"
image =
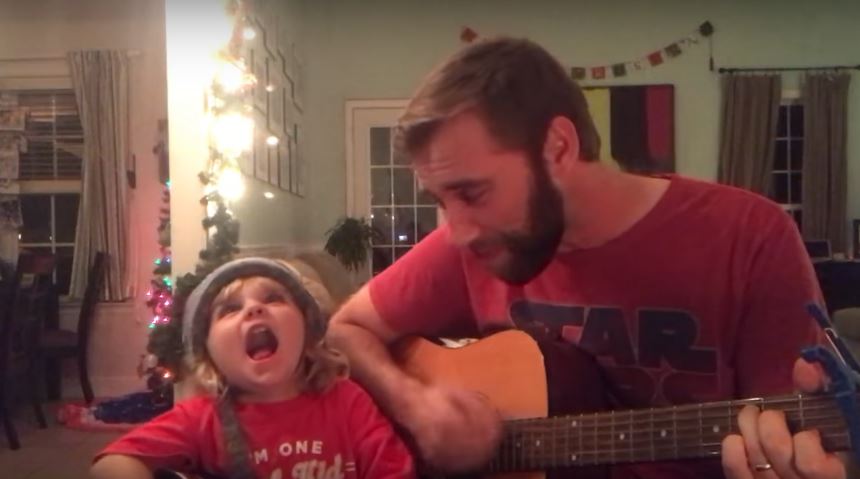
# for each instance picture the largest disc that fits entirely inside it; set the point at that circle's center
(382, 48)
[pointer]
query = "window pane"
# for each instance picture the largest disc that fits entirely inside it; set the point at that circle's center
(400, 158)
(68, 123)
(782, 123)
(780, 155)
(380, 146)
(780, 187)
(796, 154)
(381, 259)
(404, 226)
(36, 214)
(796, 127)
(380, 186)
(400, 251)
(68, 165)
(27, 279)
(38, 161)
(40, 122)
(66, 208)
(404, 188)
(381, 221)
(426, 221)
(796, 189)
(423, 198)
(64, 268)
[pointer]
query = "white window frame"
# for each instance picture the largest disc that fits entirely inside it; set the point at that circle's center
(46, 187)
(789, 97)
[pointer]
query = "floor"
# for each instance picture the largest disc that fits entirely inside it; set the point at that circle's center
(52, 453)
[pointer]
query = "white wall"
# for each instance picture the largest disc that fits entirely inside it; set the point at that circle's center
(263, 222)
(382, 48)
(281, 220)
(50, 28)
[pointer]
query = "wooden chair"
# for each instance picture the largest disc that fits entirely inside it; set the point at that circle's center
(23, 300)
(7, 300)
(60, 344)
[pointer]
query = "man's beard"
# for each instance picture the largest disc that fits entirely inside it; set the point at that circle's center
(530, 251)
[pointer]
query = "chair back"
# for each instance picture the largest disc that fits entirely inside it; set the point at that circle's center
(8, 300)
(95, 282)
(25, 301)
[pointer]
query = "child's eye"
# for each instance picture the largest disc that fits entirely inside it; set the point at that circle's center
(276, 297)
(227, 308)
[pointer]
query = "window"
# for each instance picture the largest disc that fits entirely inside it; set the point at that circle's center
(399, 211)
(786, 188)
(50, 177)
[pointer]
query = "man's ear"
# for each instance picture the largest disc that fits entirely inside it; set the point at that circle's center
(561, 146)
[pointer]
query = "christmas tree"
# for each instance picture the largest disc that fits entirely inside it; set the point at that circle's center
(230, 139)
(163, 365)
(159, 298)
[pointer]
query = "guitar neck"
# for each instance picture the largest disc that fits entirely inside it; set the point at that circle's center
(647, 435)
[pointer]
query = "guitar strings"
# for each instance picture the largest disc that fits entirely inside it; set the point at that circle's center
(522, 447)
(543, 458)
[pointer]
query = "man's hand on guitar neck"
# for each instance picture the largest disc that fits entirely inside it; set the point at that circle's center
(766, 449)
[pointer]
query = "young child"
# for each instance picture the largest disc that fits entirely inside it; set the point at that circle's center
(279, 403)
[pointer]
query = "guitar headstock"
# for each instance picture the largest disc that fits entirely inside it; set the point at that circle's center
(844, 373)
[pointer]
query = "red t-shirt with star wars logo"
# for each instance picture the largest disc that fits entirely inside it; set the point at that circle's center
(703, 299)
(339, 434)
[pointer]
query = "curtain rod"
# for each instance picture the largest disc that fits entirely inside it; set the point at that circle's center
(53, 58)
(786, 69)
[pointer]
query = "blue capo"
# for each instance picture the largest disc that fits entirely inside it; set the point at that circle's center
(843, 370)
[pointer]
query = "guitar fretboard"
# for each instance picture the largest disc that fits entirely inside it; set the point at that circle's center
(647, 435)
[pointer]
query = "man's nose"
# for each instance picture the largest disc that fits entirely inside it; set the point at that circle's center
(463, 228)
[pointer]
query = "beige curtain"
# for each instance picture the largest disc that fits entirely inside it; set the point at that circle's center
(749, 115)
(100, 80)
(825, 115)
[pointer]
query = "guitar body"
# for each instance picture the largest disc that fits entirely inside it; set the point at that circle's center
(521, 377)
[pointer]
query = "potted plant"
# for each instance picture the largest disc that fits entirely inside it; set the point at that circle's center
(350, 240)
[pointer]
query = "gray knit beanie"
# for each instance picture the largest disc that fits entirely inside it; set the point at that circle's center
(197, 315)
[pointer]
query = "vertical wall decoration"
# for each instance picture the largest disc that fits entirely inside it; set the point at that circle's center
(284, 164)
(278, 98)
(261, 152)
(636, 126)
(274, 167)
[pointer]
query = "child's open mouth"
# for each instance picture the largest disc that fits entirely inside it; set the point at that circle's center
(260, 343)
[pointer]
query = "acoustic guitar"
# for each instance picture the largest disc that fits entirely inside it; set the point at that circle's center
(522, 380)
(556, 410)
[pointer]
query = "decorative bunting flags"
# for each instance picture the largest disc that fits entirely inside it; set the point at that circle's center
(653, 59)
(467, 35)
(673, 50)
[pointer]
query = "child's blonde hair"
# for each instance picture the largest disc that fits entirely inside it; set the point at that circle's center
(320, 364)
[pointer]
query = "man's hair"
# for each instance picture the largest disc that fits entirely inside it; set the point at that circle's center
(320, 365)
(514, 84)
